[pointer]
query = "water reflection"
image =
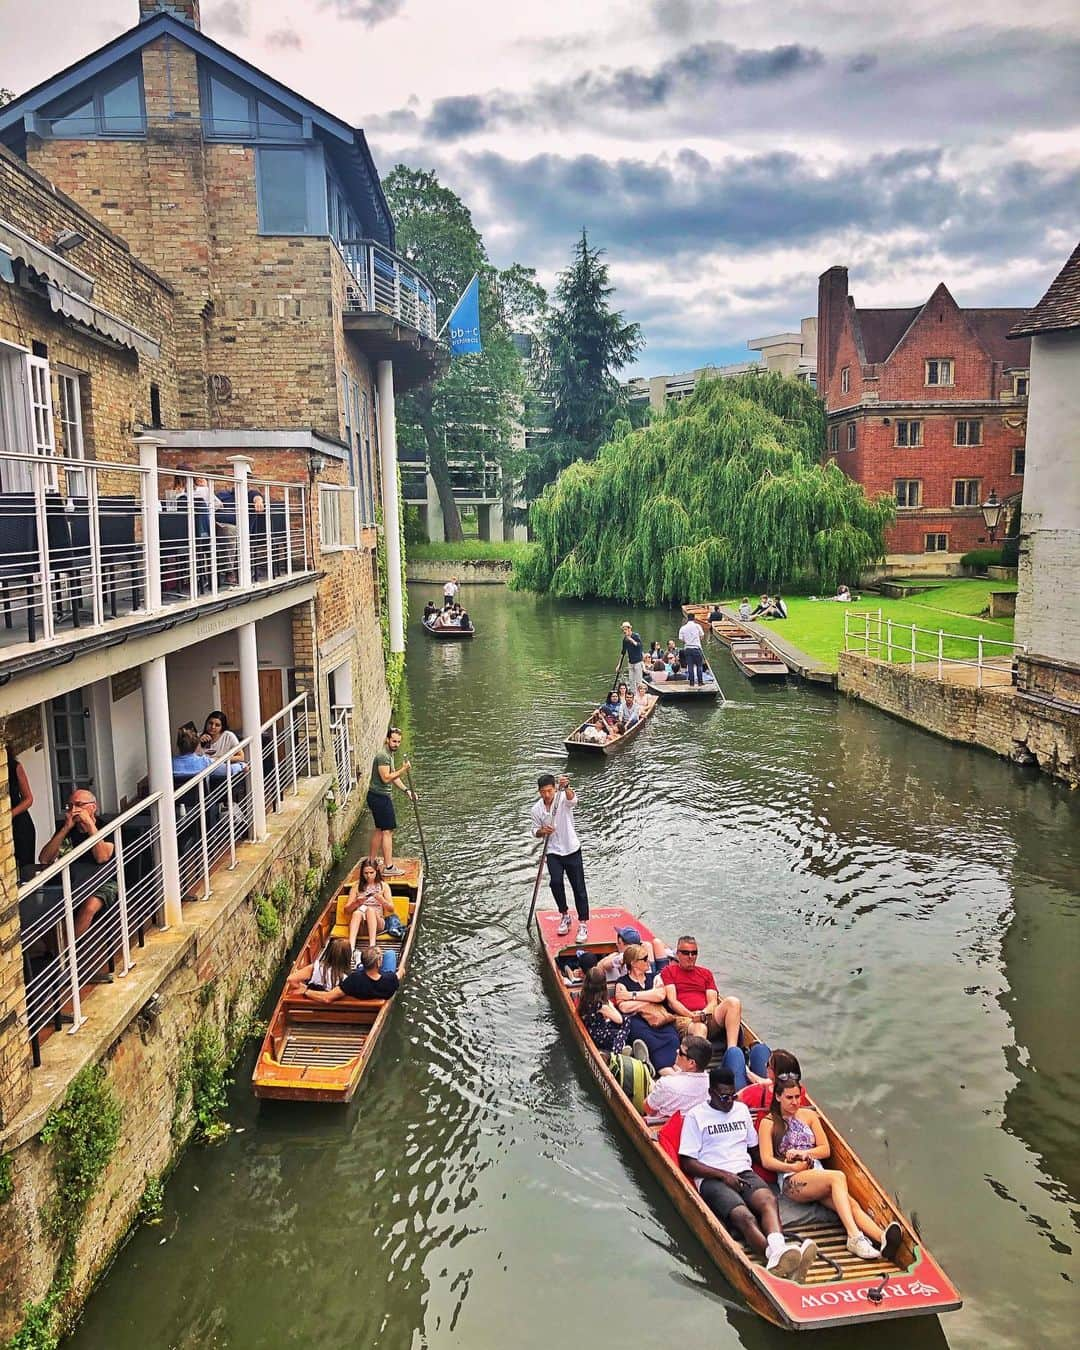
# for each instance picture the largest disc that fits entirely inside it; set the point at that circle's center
(898, 910)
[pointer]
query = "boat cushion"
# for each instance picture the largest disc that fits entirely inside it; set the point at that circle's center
(669, 1137)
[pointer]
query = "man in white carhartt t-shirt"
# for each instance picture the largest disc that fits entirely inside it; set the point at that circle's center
(690, 635)
(715, 1150)
(553, 819)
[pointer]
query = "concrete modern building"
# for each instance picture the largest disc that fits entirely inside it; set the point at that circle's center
(786, 353)
(203, 328)
(1048, 604)
(928, 405)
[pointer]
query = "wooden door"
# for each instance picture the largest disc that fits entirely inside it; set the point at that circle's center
(271, 697)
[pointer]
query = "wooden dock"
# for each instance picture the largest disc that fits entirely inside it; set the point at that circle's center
(806, 667)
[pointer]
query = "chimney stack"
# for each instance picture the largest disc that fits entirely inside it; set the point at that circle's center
(832, 302)
(185, 10)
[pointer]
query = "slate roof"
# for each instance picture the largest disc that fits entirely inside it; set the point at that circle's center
(882, 329)
(1060, 306)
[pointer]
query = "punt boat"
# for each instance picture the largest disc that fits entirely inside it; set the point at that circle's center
(682, 691)
(840, 1289)
(318, 1052)
(577, 744)
(437, 629)
(757, 661)
(728, 631)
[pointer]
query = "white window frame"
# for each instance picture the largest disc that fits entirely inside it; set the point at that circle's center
(908, 505)
(331, 537)
(966, 505)
(967, 423)
(845, 379)
(69, 416)
(1018, 380)
(908, 442)
(26, 416)
(941, 365)
(936, 535)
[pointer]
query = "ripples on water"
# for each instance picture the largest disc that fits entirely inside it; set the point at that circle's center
(900, 911)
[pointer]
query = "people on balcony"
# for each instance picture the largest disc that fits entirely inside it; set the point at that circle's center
(217, 740)
(95, 872)
(22, 825)
(191, 758)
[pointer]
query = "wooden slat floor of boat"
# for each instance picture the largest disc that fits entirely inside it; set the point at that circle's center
(322, 1044)
(832, 1241)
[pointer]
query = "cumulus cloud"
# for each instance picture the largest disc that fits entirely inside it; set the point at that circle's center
(284, 39)
(230, 16)
(368, 12)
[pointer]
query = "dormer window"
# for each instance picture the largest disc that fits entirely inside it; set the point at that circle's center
(235, 112)
(113, 106)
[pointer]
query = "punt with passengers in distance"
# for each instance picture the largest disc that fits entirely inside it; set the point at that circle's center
(577, 743)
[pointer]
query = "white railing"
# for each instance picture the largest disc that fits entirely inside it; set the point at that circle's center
(213, 815)
(286, 750)
(472, 480)
(908, 644)
(64, 946)
(339, 517)
(85, 542)
(341, 735)
(384, 283)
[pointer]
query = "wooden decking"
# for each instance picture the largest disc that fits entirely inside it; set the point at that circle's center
(798, 662)
(322, 1044)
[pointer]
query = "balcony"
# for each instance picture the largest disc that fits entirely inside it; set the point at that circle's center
(88, 546)
(390, 309)
(473, 481)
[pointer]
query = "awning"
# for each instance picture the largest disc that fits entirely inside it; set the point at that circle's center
(101, 321)
(44, 261)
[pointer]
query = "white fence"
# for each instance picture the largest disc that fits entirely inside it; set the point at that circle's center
(866, 631)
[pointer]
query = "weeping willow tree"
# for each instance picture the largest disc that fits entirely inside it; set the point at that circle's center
(724, 491)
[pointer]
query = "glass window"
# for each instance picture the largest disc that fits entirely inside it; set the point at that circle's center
(851, 434)
(966, 492)
(1019, 460)
(77, 122)
(282, 178)
(907, 491)
(969, 431)
(276, 123)
(908, 433)
(121, 107)
(230, 110)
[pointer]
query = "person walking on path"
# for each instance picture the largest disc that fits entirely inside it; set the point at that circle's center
(634, 650)
(384, 778)
(552, 819)
(690, 635)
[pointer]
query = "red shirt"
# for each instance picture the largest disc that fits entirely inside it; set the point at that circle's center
(690, 986)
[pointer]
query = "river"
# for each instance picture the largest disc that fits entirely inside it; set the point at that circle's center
(900, 911)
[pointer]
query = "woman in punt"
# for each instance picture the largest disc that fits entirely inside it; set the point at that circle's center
(794, 1145)
(328, 971)
(599, 1016)
(641, 997)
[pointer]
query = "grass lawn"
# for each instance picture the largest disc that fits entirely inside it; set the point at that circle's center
(468, 550)
(817, 626)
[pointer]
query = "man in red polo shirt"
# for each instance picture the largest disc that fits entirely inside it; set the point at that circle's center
(693, 997)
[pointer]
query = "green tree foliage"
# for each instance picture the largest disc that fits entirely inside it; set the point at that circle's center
(585, 345)
(473, 412)
(723, 492)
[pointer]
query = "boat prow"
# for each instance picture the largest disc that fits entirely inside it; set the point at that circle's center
(840, 1289)
(318, 1052)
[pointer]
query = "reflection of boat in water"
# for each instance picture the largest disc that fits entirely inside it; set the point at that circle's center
(840, 1289)
(438, 629)
(318, 1052)
(576, 742)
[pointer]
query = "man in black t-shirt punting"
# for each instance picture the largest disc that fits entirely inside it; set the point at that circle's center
(634, 651)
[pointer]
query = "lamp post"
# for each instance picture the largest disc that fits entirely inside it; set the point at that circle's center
(991, 512)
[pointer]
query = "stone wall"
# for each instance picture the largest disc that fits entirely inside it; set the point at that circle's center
(214, 970)
(494, 573)
(1044, 730)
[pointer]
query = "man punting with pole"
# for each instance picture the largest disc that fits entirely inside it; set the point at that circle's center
(552, 820)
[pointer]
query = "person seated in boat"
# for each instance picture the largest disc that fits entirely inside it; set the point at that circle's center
(372, 980)
(575, 968)
(374, 905)
(655, 653)
(614, 964)
(758, 1096)
(744, 609)
(611, 706)
(430, 610)
(699, 1010)
(597, 730)
(658, 671)
(717, 1149)
(599, 1016)
(761, 607)
(688, 1086)
(643, 696)
(465, 621)
(641, 998)
(327, 971)
(795, 1146)
(629, 716)
(676, 667)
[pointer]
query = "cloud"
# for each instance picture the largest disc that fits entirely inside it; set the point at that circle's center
(230, 16)
(368, 12)
(285, 38)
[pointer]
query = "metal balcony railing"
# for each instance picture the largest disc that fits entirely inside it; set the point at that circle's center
(341, 735)
(471, 481)
(84, 543)
(384, 283)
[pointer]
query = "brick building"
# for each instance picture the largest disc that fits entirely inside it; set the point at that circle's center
(926, 404)
(203, 327)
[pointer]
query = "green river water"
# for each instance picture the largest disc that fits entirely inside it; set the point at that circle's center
(901, 912)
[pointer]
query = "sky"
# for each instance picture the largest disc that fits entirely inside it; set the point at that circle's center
(722, 152)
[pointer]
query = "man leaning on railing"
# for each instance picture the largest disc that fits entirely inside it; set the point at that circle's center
(83, 821)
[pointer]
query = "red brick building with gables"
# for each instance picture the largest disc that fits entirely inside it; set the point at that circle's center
(928, 405)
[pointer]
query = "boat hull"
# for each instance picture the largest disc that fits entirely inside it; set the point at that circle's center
(757, 662)
(448, 634)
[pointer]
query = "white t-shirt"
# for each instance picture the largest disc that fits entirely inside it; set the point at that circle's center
(564, 841)
(719, 1138)
(450, 589)
(677, 1092)
(691, 633)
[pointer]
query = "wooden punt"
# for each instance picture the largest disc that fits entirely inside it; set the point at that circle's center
(728, 631)
(436, 629)
(915, 1285)
(576, 744)
(757, 661)
(318, 1052)
(675, 691)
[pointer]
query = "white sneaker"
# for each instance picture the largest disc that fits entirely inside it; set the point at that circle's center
(862, 1247)
(783, 1261)
(807, 1257)
(564, 926)
(582, 933)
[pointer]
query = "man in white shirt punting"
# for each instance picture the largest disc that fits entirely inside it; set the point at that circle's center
(449, 592)
(553, 819)
(717, 1149)
(690, 635)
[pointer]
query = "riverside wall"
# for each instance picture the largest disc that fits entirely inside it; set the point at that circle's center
(493, 573)
(1037, 722)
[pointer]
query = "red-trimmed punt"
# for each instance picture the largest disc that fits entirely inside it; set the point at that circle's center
(577, 744)
(915, 1286)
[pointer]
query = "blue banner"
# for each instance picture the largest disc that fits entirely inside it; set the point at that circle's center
(464, 322)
